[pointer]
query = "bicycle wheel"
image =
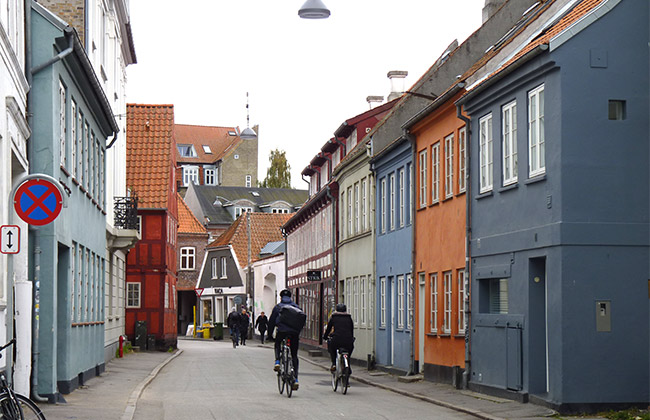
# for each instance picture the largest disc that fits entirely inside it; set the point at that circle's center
(280, 383)
(27, 410)
(335, 381)
(345, 381)
(9, 408)
(289, 378)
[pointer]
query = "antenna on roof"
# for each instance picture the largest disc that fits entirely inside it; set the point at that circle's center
(248, 133)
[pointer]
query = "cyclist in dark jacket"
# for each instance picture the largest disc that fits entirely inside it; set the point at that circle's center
(339, 333)
(284, 331)
(233, 321)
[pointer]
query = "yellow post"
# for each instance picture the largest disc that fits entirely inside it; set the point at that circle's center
(194, 331)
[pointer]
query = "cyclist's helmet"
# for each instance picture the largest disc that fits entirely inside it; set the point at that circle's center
(285, 292)
(341, 307)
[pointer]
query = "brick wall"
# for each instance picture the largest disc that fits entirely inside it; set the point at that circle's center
(71, 11)
(235, 170)
(187, 278)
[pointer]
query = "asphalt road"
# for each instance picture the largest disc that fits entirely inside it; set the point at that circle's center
(211, 380)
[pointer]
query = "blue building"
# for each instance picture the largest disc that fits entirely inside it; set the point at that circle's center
(72, 123)
(559, 211)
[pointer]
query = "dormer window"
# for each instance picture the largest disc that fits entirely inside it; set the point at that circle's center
(207, 149)
(232, 133)
(186, 150)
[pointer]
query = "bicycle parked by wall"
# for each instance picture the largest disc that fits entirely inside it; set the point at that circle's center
(342, 373)
(14, 406)
(286, 374)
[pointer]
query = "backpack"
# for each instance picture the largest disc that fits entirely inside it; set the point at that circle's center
(293, 317)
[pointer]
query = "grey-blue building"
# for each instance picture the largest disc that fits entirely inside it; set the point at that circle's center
(559, 212)
(72, 121)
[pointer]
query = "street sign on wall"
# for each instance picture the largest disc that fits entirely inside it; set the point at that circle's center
(38, 202)
(9, 239)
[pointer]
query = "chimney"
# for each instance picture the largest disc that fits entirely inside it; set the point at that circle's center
(374, 101)
(396, 83)
(491, 6)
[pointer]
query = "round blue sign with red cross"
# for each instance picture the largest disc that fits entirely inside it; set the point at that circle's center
(38, 202)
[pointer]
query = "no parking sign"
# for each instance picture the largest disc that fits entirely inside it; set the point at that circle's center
(38, 201)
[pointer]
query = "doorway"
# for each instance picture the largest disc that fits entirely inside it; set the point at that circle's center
(538, 334)
(421, 304)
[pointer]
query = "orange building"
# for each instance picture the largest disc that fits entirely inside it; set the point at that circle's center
(152, 264)
(440, 209)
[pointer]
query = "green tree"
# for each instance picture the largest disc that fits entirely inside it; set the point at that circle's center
(279, 173)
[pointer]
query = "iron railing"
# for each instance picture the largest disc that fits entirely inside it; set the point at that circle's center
(126, 213)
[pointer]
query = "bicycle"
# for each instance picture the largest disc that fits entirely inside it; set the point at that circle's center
(286, 374)
(342, 373)
(15, 406)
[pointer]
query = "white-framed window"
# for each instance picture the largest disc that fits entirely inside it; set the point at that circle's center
(87, 156)
(498, 296)
(73, 138)
(449, 166)
(423, 178)
(132, 295)
(435, 173)
(536, 144)
(400, 301)
(357, 209)
(140, 226)
(186, 150)
(433, 284)
(382, 211)
(348, 289)
(343, 215)
(210, 176)
(62, 124)
(364, 204)
(188, 258)
(363, 291)
(166, 295)
(446, 322)
(391, 187)
(350, 212)
(213, 266)
(190, 175)
(249, 181)
(485, 154)
(240, 210)
(224, 267)
(73, 279)
(382, 301)
(410, 203)
(462, 159)
(219, 309)
(355, 284)
(509, 142)
(207, 150)
(371, 299)
(173, 296)
(461, 301)
(80, 148)
(409, 301)
(279, 210)
(402, 197)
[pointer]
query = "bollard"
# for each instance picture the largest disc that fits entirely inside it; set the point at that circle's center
(121, 346)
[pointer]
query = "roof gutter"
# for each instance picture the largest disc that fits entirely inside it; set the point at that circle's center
(434, 105)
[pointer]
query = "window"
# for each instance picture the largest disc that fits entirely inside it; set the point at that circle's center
(249, 181)
(210, 178)
(350, 231)
(461, 301)
(485, 154)
(240, 210)
(62, 125)
(343, 219)
(498, 296)
(224, 267)
(206, 149)
(190, 175)
(362, 291)
(462, 159)
(188, 255)
(215, 273)
(357, 209)
(446, 321)
(509, 147)
(382, 301)
(186, 150)
(364, 204)
(402, 197)
(132, 295)
(73, 138)
(371, 289)
(355, 284)
(166, 304)
(616, 110)
(391, 187)
(433, 283)
(409, 300)
(409, 202)
(400, 301)
(383, 205)
(86, 157)
(449, 166)
(435, 173)
(73, 278)
(536, 160)
(423, 178)
(279, 210)
(80, 150)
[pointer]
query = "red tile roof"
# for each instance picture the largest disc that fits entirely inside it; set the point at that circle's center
(150, 151)
(187, 223)
(217, 138)
(265, 228)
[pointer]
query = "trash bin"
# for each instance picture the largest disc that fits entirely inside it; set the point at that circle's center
(206, 330)
(218, 331)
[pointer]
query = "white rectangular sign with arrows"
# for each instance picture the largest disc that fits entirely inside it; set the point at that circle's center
(10, 239)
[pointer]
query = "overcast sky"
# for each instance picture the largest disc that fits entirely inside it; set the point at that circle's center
(305, 77)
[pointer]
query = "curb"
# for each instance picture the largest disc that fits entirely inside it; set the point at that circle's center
(132, 402)
(475, 413)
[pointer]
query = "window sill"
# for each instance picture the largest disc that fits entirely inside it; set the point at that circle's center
(484, 195)
(460, 193)
(448, 198)
(535, 179)
(459, 335)
(434, 204)
(509, 187)
(432, 334)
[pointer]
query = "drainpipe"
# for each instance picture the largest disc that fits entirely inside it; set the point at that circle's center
(68, 34)
(468, 234)
(407, 135)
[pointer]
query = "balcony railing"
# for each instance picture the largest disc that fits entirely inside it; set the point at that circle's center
(126, 213)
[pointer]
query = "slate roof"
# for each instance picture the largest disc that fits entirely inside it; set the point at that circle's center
(187, 223)
(218, 139)
(150, 153)
(265, 228)
(217, 214)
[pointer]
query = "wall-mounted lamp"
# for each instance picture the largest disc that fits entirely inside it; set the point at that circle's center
(314, 9)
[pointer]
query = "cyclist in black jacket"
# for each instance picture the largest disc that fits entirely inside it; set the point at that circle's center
(285, 330)
(339, 333)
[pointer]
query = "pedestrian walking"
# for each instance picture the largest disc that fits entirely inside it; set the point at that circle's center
(261, 323)
(243, 326)
(233, 321)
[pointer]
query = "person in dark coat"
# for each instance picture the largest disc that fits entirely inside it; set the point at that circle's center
(243, 326)
(339, 333)
(285, 331)
(233, 321)
(261, 324)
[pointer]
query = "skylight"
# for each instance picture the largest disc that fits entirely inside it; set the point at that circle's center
(232, 133)
(255, 193)
(207, 149)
